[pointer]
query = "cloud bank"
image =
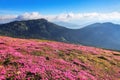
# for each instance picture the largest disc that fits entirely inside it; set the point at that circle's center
(79, 18)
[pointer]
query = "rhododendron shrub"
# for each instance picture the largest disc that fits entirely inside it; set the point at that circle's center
(22, 59)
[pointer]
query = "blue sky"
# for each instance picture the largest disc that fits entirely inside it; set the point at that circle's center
(59, 6)
(80, 12)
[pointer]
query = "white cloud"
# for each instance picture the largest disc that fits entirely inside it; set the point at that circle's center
(28, 16)
(7, 18)
(80, 18)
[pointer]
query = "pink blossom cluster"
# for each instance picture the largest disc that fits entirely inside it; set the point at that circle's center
(22, 59)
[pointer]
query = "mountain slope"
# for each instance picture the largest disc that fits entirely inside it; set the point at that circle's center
(104, 35)
(40, 28)
(49, 60)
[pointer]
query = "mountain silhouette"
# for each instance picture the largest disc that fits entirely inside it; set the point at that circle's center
(103, 35)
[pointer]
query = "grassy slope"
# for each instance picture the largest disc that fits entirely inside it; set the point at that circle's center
(48, 60)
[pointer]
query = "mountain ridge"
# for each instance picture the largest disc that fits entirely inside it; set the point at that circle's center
(103, 35)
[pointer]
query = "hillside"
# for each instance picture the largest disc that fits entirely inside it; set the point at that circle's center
(105, 35)
(34, 59)
(39, 29)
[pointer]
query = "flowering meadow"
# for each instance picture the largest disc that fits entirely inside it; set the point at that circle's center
(32, 59)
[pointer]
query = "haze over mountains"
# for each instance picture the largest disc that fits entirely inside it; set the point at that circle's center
(104, 35)
(68, 25)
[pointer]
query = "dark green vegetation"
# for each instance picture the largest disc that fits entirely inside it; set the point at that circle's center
(41, 29)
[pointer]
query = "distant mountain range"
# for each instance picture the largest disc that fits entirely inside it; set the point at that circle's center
(104, 35)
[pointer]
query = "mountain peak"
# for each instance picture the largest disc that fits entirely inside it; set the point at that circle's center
(108, 23)
(42, 19)
(37, 20)
(105, 24)
(38, 28)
